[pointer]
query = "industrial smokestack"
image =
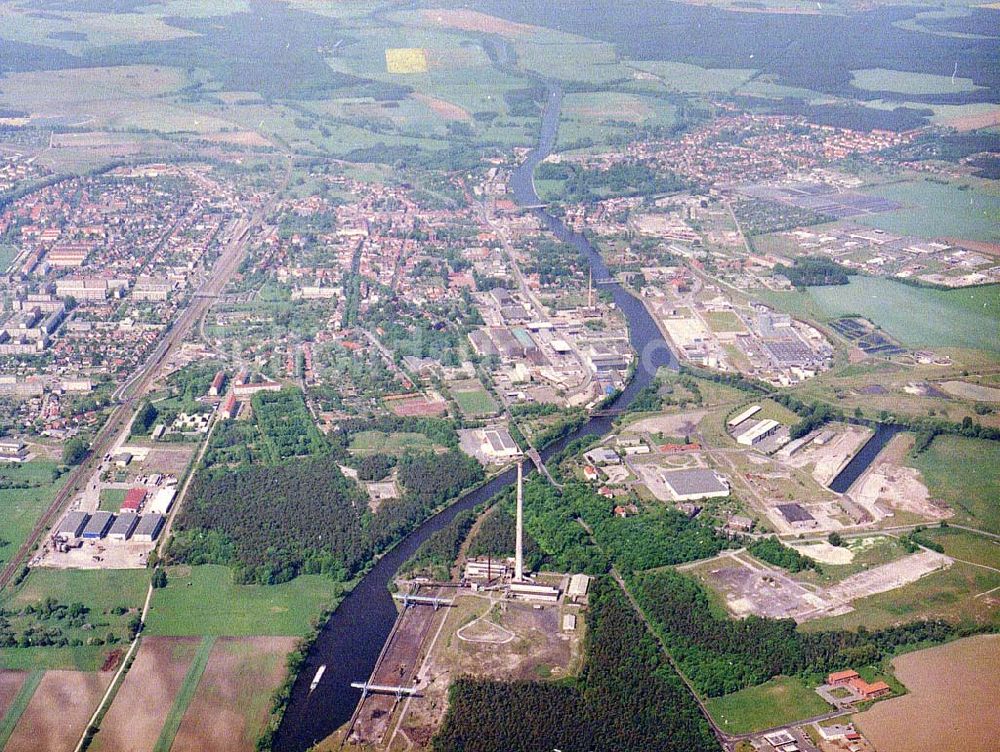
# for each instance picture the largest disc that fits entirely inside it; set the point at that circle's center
(519, 533)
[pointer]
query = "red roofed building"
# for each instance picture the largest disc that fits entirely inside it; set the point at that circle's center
(840, 678)
(216, 389)
(133, 499)
(230, 406)
(871, 691)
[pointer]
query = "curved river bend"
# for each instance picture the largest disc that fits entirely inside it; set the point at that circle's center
(350, 642)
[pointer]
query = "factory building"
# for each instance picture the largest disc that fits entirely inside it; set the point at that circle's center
(498, 444)
(13, 450)
(745, 415)
(148, 528)
(98, 526)
(694, 484)
(533, 592)
(122, 527)
(796, 515)
(758, 432)
(72, 525)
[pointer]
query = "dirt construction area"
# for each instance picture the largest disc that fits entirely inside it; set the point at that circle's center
(230, 707)
(830, 458)
(59, 711)
(681, 424)
(488, 637)
(403, 655)
(951, 703)
(750, 587)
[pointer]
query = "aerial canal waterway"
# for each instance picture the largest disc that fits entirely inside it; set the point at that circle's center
(865, 456)
(350, 642)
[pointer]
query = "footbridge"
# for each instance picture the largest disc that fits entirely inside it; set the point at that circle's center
(422, 600)
(385, 689)
(536, 460)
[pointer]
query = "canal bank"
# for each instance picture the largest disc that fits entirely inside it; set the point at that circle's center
(350, 642)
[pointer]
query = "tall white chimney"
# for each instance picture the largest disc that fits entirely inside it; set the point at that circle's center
(519, 533)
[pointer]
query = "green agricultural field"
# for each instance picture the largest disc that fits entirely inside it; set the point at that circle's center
(974, 492)
(78, 658)
(20, 508)
(774, 703)
(599, 116)
(377, 442)
(693, 78)
(932, 210)
(571, 58)
(204, 600)
(917, 317)
(907, 82)
(111, 499)
(767, 88)
(478, 402)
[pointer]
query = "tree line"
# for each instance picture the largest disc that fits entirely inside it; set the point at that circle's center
(627, 698)
(722, 655)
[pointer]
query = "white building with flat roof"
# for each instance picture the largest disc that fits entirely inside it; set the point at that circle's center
(758, 432)
(748, 413)
(498, 444)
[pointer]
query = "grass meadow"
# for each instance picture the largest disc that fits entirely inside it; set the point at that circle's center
(20, 508)
(779, 701)
(917, 317)
(204, 600)
(963, 472)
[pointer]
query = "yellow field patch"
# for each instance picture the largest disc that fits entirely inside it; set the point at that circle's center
(405, 60)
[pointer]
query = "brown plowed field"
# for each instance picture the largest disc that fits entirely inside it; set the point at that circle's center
(951, 703)
(231, 705)
(59, 711)
(10, 685)
(136, 717)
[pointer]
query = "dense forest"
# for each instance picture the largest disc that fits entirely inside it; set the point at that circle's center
(495, 537)
(627, 699)
(657, 536)
(275, 522)
(582, 186)
(722, 655)
(435, 555)
(551, 521)
(773, 551)
(809, 271)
